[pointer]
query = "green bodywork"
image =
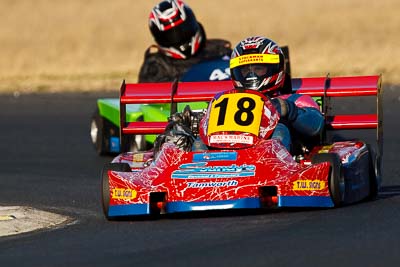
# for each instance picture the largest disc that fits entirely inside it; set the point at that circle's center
(318, 100)
(109, 109)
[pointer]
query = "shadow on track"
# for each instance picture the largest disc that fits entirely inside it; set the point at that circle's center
(389, 191)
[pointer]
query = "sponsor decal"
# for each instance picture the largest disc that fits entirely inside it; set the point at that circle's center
(138, 157)
(124, 193)
(219, 75)
(282, 154)
(232, 138)
(325, 149)
(200, 170)
(212, 184)
(309, 185)
(253, 59)
(214, 156)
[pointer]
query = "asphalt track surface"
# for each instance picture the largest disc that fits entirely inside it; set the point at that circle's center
(47, 162)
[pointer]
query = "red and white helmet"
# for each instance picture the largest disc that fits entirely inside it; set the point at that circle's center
(258, 63)
(175, 29)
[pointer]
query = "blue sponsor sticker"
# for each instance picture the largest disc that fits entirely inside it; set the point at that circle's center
(114, 144)
(200, 170)
(215, 156)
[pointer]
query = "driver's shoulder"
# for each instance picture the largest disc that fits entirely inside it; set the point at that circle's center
(300, 100)
(217, 48)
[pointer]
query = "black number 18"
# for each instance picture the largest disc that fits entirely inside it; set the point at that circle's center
(223, 105)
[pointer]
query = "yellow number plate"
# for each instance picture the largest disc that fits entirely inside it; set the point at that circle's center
(239, 112)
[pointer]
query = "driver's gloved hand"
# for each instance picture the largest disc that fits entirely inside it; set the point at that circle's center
(178, 131)
(286, 108)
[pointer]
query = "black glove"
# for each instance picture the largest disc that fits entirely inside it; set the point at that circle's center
(190, 119)
(286, 108)
(175, 133)
(178, 132)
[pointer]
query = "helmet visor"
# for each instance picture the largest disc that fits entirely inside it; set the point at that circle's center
(252, 75)
(257, 69)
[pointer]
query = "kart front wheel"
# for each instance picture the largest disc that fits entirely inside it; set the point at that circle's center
(336, 178)
(105, 184)
(97, 133)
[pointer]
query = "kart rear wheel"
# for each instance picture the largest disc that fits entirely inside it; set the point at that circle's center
(374, 173)
(105, 185)
(136, 143)
(336, 178)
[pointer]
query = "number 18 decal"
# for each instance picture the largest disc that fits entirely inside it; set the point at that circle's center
(239, 112)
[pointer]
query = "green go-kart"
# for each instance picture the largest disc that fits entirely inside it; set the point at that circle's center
(105, 124)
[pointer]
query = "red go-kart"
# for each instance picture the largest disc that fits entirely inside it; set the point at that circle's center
(233, 163)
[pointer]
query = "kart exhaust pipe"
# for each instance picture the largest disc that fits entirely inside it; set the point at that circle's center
(268, 196)
(158, 201)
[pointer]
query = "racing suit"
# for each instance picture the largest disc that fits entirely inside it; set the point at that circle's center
(301, 119)
(157, 67)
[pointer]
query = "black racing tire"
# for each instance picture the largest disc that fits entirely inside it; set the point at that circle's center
(137, 143)
(97, 133)
(374, 173)
(336, 178)
(105, 185)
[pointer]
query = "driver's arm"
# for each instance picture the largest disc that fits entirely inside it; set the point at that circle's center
(301, 112)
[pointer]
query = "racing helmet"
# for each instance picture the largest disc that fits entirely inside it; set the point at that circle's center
(175, 29)
(258, 63)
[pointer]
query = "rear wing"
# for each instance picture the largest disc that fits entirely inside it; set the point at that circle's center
(323, 87)
(159, 93)
(357, 86)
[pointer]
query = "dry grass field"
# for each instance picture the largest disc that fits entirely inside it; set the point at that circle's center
(53, 45)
